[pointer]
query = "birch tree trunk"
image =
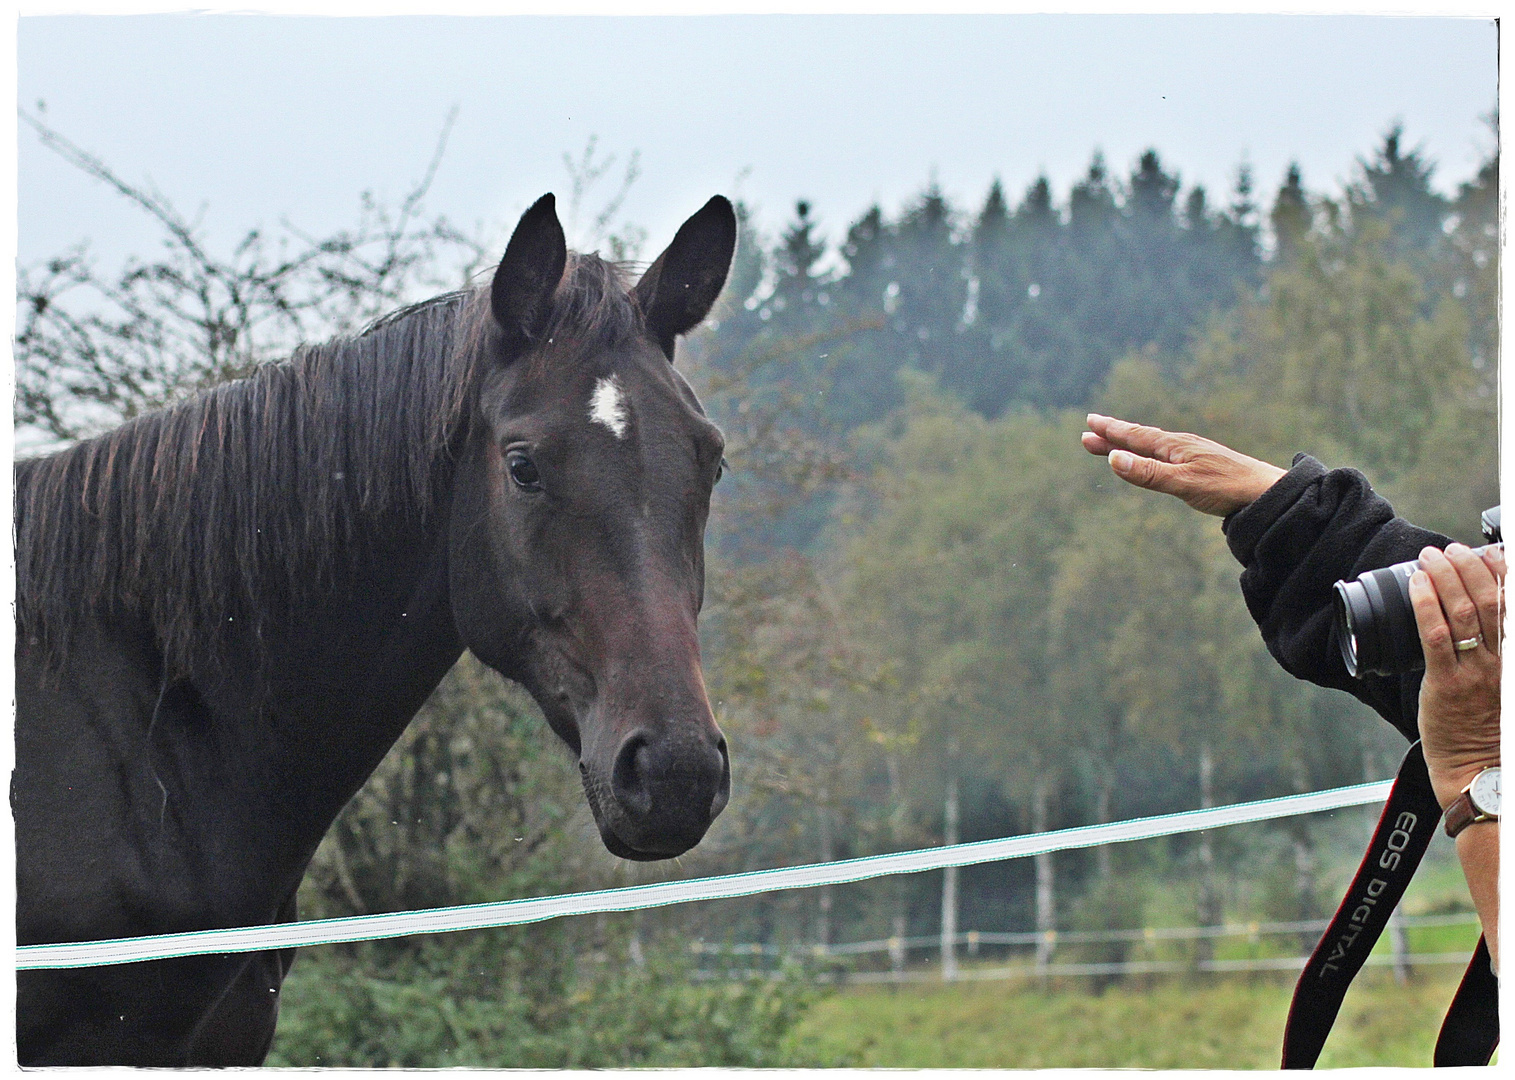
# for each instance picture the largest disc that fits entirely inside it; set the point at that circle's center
(1399, 946)
(634, 945)
(1046, 920)
(1102, 817)
(949, 881)
(897, 949)
(1303, 841)
(897, 883)
(1304, 879)
(1114, 721)
(1209, 915)
(828, 853)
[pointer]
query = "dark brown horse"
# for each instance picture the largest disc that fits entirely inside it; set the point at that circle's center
(228, 611)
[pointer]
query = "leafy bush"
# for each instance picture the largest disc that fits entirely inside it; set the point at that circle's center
(511, 999)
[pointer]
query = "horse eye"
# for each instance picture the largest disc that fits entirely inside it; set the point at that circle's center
(522, 471)
(720, 470)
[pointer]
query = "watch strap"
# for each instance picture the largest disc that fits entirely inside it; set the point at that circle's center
(1464, 812)
(1461, 814)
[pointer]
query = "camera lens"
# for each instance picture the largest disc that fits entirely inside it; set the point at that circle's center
(1489, 522)
(1375, 624)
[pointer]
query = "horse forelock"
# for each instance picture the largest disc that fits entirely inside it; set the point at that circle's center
(231, 505)
(593, 313)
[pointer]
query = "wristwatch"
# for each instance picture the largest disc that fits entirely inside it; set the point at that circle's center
(1479, 801)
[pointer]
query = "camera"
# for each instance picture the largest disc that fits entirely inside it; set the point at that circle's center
(1375, 624)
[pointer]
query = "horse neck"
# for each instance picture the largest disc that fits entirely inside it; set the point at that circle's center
(362, 629)
(324, 696)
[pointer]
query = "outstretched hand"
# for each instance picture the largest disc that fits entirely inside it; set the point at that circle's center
(1212, 478)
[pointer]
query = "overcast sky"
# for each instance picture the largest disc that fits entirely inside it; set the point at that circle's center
(260, 118)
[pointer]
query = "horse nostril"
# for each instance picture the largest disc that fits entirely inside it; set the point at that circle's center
(628, 777)
(723, 789)
(668, 788)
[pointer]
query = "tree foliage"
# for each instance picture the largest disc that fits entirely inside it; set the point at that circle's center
(1005, 307)
(97, 347)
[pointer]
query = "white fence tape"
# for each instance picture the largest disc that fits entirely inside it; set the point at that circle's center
(515, 912)
(1129, 967)
(975, 938)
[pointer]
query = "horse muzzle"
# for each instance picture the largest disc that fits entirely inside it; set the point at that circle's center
(659, 792)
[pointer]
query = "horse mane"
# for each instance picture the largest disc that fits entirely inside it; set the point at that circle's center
(222, 511)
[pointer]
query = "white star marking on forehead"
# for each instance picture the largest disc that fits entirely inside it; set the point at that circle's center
(606, 406)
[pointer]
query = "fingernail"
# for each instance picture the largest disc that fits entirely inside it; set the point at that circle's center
(1419, 578)
(1092, 417)
(1121, 461)
(1459, 548)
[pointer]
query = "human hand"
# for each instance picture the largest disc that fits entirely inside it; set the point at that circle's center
(1212, 478)
(1457, 597)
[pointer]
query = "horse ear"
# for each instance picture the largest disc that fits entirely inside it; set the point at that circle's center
(678, 290)
(521, 296)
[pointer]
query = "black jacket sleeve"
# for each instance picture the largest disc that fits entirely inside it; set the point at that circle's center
(1308, 531)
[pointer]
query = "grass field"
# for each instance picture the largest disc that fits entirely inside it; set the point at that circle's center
(1152, 1022)
(1225, 1022)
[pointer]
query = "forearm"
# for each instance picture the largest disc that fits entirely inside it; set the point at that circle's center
(1312, 528)
(1478, 851)
(1477, 843)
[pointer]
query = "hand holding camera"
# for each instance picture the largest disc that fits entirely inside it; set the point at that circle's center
(1456, 596)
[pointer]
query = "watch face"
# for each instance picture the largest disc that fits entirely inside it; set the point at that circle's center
(1484, 791)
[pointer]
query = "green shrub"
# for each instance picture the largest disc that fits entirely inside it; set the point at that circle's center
(510, 999)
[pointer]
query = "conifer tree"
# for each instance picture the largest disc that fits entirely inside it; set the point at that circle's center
(1039, 230)
(1024, 332)
(867, 259)
(932, 287)
(1001, 260)
(1036, 208)
(994, 219)
(1291, 215)
(1153, 262)
(1197, 211)
(1397, 186)
(991, 283)
(1152, 192)
(1240, 234)
(797, 285)
(1092, 203)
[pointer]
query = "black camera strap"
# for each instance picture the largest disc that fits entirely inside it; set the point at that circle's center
(1470, 1031)
(1404, 831)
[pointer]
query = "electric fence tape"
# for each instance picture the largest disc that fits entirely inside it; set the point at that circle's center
(631, 898)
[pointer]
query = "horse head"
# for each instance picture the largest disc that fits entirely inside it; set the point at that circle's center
(578, 519)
